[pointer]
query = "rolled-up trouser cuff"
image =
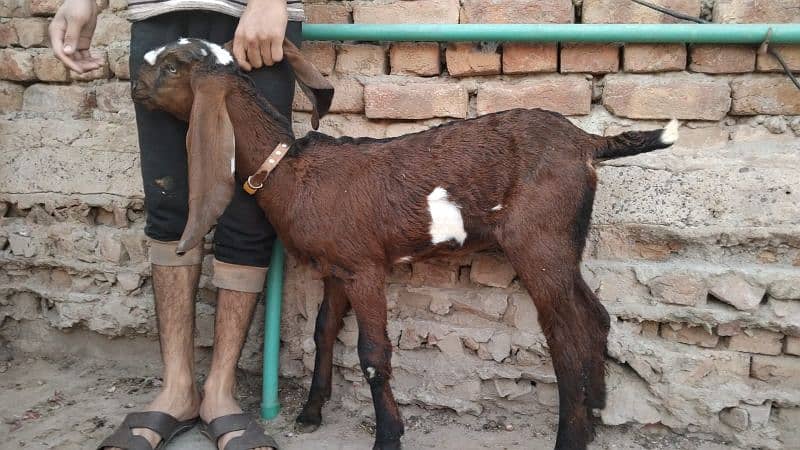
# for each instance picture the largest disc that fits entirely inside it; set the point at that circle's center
(163, 254)
(235, 277)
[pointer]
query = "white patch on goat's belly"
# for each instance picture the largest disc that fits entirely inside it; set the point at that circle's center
(223, 56)
(446, 221)
(151, 56)
(498, 207)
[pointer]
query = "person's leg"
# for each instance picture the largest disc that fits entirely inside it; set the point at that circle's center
(243, 241)
(163, 160)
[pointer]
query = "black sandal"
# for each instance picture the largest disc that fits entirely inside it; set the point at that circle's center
(164, 424)
(252, 438)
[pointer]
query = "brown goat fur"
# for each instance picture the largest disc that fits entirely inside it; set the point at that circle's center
(521, 181)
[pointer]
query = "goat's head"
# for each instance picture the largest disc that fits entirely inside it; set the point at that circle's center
(191, 79)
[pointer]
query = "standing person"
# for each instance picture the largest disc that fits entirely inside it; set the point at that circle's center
(243, 237)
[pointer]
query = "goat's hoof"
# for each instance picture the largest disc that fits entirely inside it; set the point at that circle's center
(304, 424)
(391, 445)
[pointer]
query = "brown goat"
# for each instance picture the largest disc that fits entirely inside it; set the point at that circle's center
(521, 181)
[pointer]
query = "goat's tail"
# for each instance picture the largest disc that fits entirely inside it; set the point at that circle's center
(635, 142)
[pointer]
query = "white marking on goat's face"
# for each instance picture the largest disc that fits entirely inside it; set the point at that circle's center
(670, 133)
(498, 207)
(446, 221)
(223, 56)
(151, 56)
(370, 372)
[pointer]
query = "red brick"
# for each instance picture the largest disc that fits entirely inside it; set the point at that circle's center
(101, 73)
(16, 65)
(625, 11)
(467, 59)
(408, 11)
(348, 96)
(326, 13)
(686, 334)
(757, 11)
(321, 54)
(789, 53)
(568, 95)
(44, 7)
(765, 94)
(32, 32)
(722, 59)
(667, 96)
(640, 58)
(110, 29)
(520, 57)
(517, 11)
(49, 68)
(361, 59)
(408, 58)
(46, 98)
(491, 270)
(15, 8)
(384, 100)
(757, 341)
(118, 60)
(589, 58)
(10, 96)
(8, 34)
(434, 273)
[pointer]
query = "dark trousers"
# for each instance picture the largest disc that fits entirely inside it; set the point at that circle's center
(243, 235)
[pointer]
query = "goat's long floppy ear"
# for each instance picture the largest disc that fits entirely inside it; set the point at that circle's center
(316, 87)
(210, 145)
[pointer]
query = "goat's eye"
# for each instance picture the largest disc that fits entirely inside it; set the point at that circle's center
(171, 68)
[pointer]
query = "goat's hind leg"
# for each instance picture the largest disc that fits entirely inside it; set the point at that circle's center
(597, 323)
(329, 322)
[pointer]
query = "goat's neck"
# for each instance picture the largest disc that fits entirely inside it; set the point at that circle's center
(257, 132)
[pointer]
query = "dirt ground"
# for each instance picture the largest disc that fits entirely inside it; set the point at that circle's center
(73, 403)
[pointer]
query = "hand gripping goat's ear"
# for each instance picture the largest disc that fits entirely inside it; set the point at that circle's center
(210, 146)
(316, 87)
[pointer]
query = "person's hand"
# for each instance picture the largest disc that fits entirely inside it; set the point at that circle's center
(71, 33)
(258, 40)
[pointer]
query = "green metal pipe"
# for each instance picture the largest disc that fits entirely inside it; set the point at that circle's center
(270, 404)
(638, 33)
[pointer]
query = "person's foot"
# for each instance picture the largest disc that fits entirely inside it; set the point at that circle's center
(183, 404)
(218, 403)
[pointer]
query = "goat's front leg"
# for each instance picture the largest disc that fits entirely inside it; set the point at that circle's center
(329, 322)
(367, 297)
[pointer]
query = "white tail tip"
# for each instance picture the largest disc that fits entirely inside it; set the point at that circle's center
(670, 134)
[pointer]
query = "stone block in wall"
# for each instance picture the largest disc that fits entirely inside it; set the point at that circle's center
(787, 310)
(568, 95)
(589, 58)
(735, 417)
(361, 59)
(628, 398)
(722, 58)
(757, 341)
(415, 58)
(114, 97)
(789, 53)
(466, 59)
(667, 96)
(111, 28)
(517, 11)
(49, 68)
(491, 270)
(490, 303)
(642, 58)
(512, 389)
(438, 273)
(119, 60)
(31, 32)
(15, 8)
(390, 100)
(347, 98)
(16, 65)
(750, 11)
(522, 313)
(688, 334)
(780, 370)
(764, 94)
(8, 35)
(46, 98)
(499, 346)
(786, 420)
(10, 96)
(792, 345)
(680, 288)
(410, 11)
(320, 53)
(737, 292)
(623, 11)
(44, 7)
(523, 57)
(333, 12)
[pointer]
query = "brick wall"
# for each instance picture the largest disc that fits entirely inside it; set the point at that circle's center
(695, 251)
